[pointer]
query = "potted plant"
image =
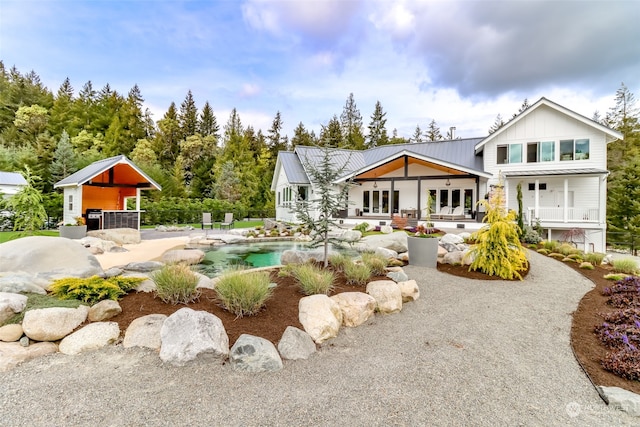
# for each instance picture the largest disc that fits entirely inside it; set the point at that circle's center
(76, 230)
(423, 244)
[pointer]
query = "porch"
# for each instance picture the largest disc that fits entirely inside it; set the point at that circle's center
(562, 215)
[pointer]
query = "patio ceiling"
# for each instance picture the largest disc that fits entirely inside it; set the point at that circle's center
(399, 164)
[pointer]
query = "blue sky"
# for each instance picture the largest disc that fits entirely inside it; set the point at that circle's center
(458, 62)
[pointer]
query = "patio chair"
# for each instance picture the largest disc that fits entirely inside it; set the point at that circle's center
(444, 210)
(206, 220)
(228, 221)
(457, 213)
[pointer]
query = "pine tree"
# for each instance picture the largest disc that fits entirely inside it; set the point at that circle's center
(417, 135)
(351, 124)
(331, 134)
(497, 124)
(623, 211)
(166, 142)
(377, 128)
(432, 133)
(27, 206)
(274, 137)
(523, 107)
(208, 124)
(188, 117)
(64, 159)
(301, 137)
(623, 117)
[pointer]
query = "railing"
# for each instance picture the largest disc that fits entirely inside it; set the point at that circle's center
(557, 215)
(623, 239)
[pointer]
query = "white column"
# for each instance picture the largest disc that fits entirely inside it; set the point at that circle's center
(138, 205)
(506, 194)
(565, 210)
(537, 199)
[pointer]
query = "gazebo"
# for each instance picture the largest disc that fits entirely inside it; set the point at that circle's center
(99, 193)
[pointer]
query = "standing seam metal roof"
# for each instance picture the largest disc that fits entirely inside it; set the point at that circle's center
(12, 178)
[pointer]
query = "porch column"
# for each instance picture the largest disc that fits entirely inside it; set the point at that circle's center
(565, 209)
(393, 182)
(138, 206)
(537, 199)
(506, 194)
(419, 201)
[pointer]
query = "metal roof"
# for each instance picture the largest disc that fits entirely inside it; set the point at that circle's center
(293, 168)
(96, 168)
(586, 171)
(12, 178)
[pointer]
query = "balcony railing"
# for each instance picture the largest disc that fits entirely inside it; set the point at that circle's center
(558, 215)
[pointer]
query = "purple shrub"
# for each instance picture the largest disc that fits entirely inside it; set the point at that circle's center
(624, 363)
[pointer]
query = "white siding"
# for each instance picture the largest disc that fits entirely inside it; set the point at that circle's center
(72, 209)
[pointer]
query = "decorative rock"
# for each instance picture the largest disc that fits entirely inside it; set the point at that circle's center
(387, 253)
(230, 238)
(91, 337)
(454, 258)
(186, 256)
(54, 323)
(120, 236)
(95, 243)
(48, 257)
(351, 236)
(442, 251)
(292, 256)
(95, 251)
(398, 276)
(24, 341)
(18, 282)
(467, 257)
(409, 290)
(320, 317)
(449, 247)
(622, 399)
(404, 257)
(11, 304)
(144, 266)
(356, 307)
(113, 272)
(104, 310)
(386, 229)
(394, 241)
(254, 354)
(451, 238)
(204, 281)
(464, 235)
(12, 353)
(387, 295)
(11, 333)
(188, 334)
(296, 344)
(145, 332)
(118, 249)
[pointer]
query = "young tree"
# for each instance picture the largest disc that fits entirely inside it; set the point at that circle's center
(433, 132)
(227, 186)
(497, 124)
(351, 124)
(417, 135)
(318, 211)
(64, 159)
(27, 206)
(377, 128)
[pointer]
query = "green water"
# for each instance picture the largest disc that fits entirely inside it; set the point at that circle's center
(246, 255)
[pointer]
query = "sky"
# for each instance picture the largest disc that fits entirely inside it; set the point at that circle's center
(460, 63)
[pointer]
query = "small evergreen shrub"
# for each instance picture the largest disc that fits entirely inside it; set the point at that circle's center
(594, 258)
(587, 266)
(274, 232)
(312, 280)
(626, 266)
(339, 261)
(376, 263)
(357, 274)
(362, 227)
(93, 289)
(530, 235)
(176, 284)
(244, 294)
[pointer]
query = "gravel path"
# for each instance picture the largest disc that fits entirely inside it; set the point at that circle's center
(467, 353)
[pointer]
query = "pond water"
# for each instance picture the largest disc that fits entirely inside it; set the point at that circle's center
(250, 255)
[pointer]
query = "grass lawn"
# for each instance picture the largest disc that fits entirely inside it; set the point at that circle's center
(5, 236)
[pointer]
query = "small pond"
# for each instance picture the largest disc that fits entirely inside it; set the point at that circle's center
(250, 255)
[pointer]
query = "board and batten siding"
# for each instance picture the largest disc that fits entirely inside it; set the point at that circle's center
(546, 124)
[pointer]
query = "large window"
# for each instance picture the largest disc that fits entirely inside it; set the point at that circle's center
(541, 151)
(509, 154)
(571, 149)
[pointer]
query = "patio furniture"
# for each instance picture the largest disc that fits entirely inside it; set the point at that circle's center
(228, 221)
(457, 213)
(444, 210)
(206, 220)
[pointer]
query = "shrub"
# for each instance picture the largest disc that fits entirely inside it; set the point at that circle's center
(530, 235)
(594, 258)
(498, 251)
(624, 363)
(376, 263)
(543, 251)
(362, 227)
(587, 266)
(557, 256)
(93, 289)
(274, 232)
(615, 276)
(357, 274)
(339, 261)
(566, 249)
(550, 245)
(312, 280)
(244, 294)
(576, 256)
(626, 266)
(176, 284)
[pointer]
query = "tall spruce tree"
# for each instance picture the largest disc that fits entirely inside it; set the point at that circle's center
(377, 128)
(331, 134)
(64, 159)
(417, 135)
(208, 124)
(301, 136)
(188, 117)
(497, 124)
(432, 133)
(351, 124)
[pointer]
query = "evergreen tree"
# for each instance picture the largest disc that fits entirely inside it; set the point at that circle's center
(417, 135)
(64, 159)
(524, 106)
(497, 124)
(26, 204)
(301, 137)
(188, 117)
(395, 139)
(228, 184)
(208, 124)
(166, 142)
(351, 124)
(61, 117)
(275, 139)
(331, 134)
(433, 132)
(377, 128)
(623, 117)
(623, 212)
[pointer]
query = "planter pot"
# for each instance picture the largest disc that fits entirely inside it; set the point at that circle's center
(423, 251)
(73, 231)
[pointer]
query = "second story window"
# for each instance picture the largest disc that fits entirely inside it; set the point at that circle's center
(511, 153)
(574, 149)
(541, 151)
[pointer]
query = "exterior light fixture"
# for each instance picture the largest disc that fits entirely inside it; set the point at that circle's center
(448, 183)
(375, 184)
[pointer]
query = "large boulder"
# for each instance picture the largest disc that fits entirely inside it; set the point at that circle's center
(188, 334)
(145, 332)
(387, 294)
(320, 316)
(12, 353)
(350, 236)
(254, 354)
(120, 236)
(11, 304)
(357, 307)
(20, 281)
(54, 323)
(143, 266)
(296, 344)
(48, 257)
(452, 238)
(91, 337)
(394, 241)
(185, 256)
(99, 245)
(622, 399)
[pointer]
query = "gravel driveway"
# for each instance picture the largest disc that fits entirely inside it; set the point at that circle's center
(467, 353)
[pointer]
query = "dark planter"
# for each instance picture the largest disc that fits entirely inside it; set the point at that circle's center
(423, 251)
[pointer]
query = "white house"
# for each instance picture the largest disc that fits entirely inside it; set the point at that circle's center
(558, 156)
(11, 183)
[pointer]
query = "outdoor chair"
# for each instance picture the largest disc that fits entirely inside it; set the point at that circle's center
(206, 220)
(444, 210)
(228, 221)
(457, 213)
